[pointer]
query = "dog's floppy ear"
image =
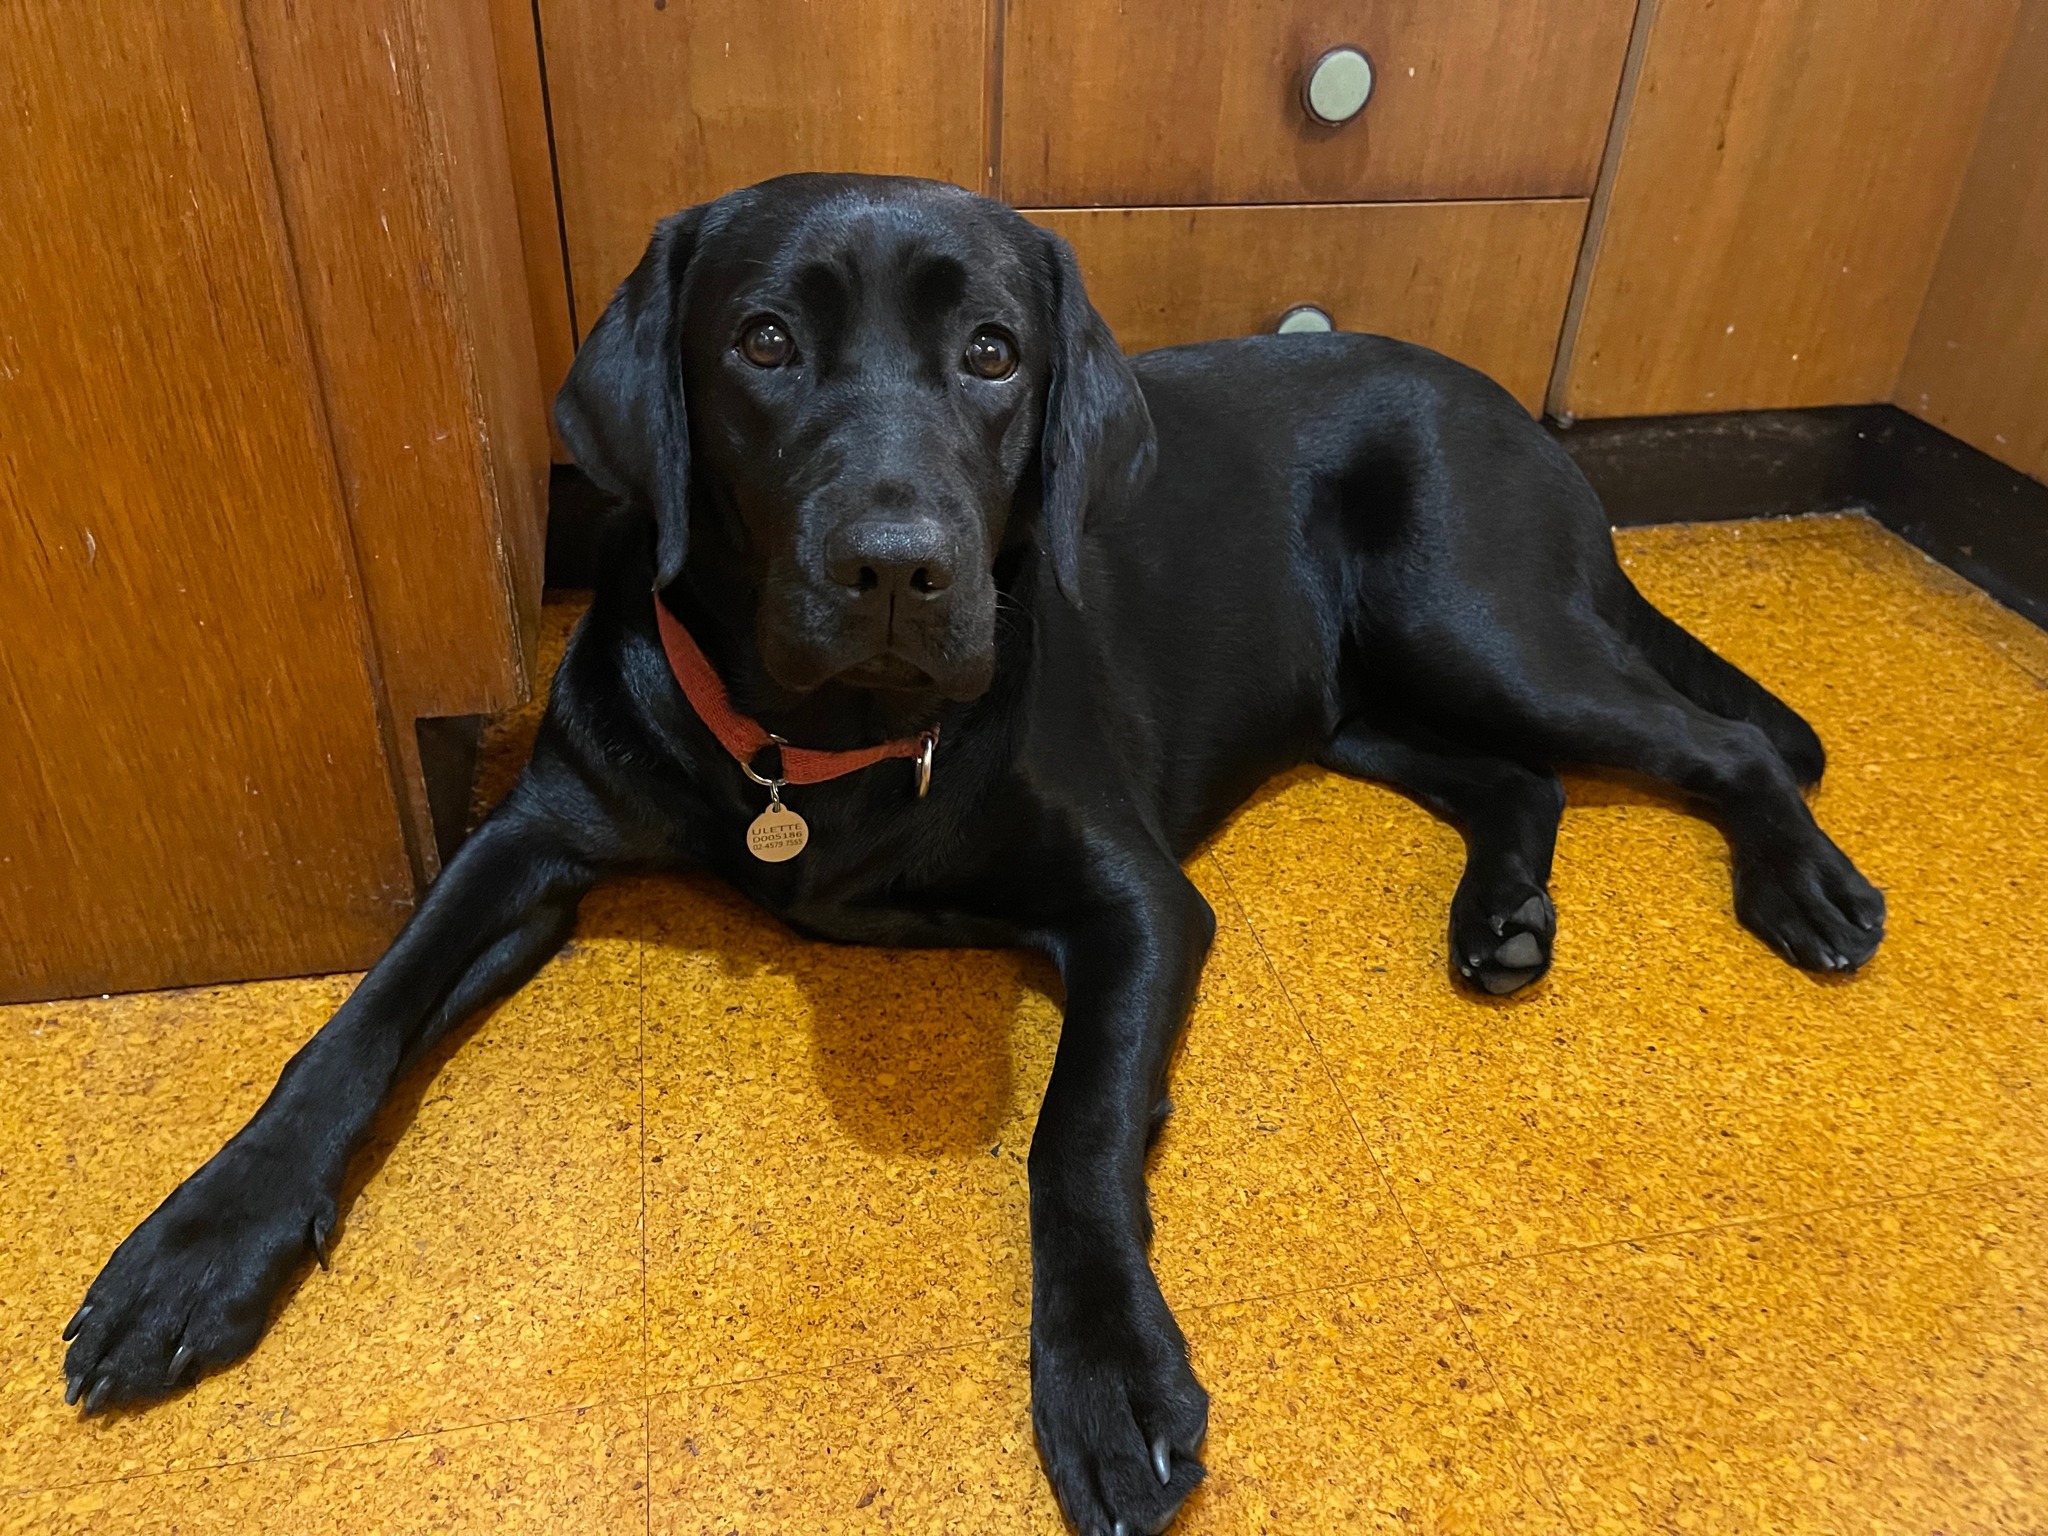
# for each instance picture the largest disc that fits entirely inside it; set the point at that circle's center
(621, 412)
(1098, 442)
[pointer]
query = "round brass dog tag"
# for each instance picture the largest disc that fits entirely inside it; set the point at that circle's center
(776, 834)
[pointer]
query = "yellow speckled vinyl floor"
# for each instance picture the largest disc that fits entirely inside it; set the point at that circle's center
(712, 1230)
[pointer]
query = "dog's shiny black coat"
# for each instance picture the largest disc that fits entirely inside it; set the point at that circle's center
(1128, 592)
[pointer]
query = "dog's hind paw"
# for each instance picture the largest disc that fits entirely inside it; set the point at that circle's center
(1500, 940)
(1809, 903)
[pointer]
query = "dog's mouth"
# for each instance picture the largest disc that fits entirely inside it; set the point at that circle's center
(890, 673)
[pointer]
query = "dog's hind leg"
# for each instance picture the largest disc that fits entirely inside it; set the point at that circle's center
(191, 1288)
(1716, 684)
(1502, 920)
(1584, 694)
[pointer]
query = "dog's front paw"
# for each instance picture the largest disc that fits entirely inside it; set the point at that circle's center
(1117, 1410)
(1501, 933)
(190, 1289)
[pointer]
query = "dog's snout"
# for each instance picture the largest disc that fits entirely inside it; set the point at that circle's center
(906, 556)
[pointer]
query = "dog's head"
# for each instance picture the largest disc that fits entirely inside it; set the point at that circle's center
(863, 387)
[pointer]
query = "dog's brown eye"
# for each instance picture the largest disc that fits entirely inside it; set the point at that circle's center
(991, 354)
(767, 343)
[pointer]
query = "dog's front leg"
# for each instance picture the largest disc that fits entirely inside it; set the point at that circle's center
(191, 1288)
(1117, 1410)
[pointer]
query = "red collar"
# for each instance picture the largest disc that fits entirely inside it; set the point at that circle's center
(744, 738)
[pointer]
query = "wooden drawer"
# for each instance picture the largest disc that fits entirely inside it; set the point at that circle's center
(1483, 282)
(656, 104)
(1155, 101)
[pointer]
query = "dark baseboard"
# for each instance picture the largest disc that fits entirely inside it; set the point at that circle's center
(577, 514)
(448, 758)
(1985, 521)
(1981, 519)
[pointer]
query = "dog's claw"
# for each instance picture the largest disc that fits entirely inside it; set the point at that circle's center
(98, 1395)
(1162, 1463)
(178, 1363)
(323, 1228)
(77, 1321)
(72, 1388)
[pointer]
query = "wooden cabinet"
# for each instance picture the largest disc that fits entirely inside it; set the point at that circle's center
(658, 105)
(191, 757)
(1787, 172)
(271, 457)
(1978, 366)
(285, 285)
(1484, 282)
(1169, 101)
(654, 106)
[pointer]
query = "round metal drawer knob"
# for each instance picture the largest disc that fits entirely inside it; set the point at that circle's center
(1337, 86)
(1304, 320)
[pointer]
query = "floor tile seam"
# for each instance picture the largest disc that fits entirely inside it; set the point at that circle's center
(1315, 1047)
(1738, 1223)
(1534, 1390)
(646, 1408)
(1402, 1274)
(1960, 758)
(839, 1367)
(1530, 1453)
(142, 1474)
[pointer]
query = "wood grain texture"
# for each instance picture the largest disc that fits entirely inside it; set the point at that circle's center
(1158, 101)
(1978, 366)
(191, 768)
(495, 337)
(656, 107)
(1788, 169)
(522, 87)
(1484, 282)
(390, 151)
(415, 296)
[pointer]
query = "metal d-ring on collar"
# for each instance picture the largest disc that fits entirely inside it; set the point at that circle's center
(924, 762)
(773, 786)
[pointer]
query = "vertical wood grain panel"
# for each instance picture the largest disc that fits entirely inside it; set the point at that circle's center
(415, 322)
(1979, 362)
(1484, 282)
(1166, 101)
(657, 106)
(1787, 172)
(495, 334)
(389, 144)
(194, 781)
(522, 85)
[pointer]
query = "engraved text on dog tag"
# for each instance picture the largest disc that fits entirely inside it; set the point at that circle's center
(778, 833)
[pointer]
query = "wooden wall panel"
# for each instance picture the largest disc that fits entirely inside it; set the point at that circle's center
(508, 411)
(1978, 366)
(1484, 282)
(1787, 172)
(659, 105)
(191, 768)
(1150, 101)
(522, 87)
(390, 152)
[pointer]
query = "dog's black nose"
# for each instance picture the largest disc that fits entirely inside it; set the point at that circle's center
(909, 557)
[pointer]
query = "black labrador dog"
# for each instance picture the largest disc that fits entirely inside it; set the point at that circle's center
(898, 488)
